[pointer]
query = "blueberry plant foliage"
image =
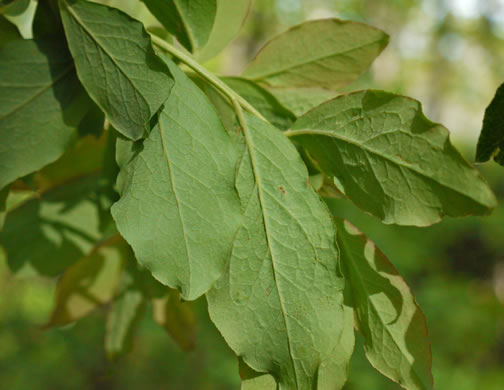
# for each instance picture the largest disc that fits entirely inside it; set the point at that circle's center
(136, 177)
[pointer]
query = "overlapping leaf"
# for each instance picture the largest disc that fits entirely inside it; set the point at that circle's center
(322, 53)
(178, 208)
(189, 20)
(491, 140)
(392, 161)
(8, 32)
(280, 304)
(116, 64)
(40, 105)
(386, 313)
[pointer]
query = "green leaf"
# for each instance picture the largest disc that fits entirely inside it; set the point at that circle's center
(328, 53)
(177, 318)
(8, 32)
(229, 19)
(491, 140)
(47, 20)
(4, 193)
(285, 247)
(263, 101)
(40, 105)
(191, 21)
(13, 7)
(68, 214)
(301, 100)
(89, 283)
(386, 313)
(391, 160)
(252, 380)
(178, 207)
(116, 64)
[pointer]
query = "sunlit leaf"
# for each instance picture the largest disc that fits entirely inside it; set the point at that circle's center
(386, 313)
(281, 288)
(178, 208)
(116, 64)
(391, 160)
(327, 53)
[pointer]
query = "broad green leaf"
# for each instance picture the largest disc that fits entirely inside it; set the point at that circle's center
(40, 105)
(328, 53)
(491, 140)
(252, 380)
(229, 19)
(191, 21)
(281, 288)
(8, 32)
(50, 229)
(177, 318)
(391, 160)
(386, 313)
(263, 101)
(116, 63)
(89, 283)
(178, 208)
(301, 100)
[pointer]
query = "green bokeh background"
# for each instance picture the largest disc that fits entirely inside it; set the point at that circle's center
(446, 53)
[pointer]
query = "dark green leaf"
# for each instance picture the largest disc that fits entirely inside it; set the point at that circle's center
(116, 64)
(8, 32)
(177, 318)
(13, 7)
(191, 21)
(263, 101)
(328, 53)
(391, 160)
(387, 315)
(47, 20)
(178, 208)
(491, 140)
(281, 288)
(40, 105)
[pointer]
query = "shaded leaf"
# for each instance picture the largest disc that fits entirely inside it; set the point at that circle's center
(263, 101)
(47, 20)
(328, 53)
(386, 313)
(116, 64)
(178, 207)
(13, 7)
(3, 205)
(191, 21)
(8, 32)
(89, 283)
(229, 19)
(301, 100)
(177, 318)
(281, 288)
(391, 160)
(40, 105)
(252, 380)
(48, 230)
(491, 140)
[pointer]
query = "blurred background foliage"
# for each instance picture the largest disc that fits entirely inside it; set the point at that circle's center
(447, 54)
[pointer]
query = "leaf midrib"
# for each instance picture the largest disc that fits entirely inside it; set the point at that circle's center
(334, 135)
(266, 75)
(250, 147)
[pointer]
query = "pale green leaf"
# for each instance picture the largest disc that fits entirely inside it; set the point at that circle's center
(116, 63)
(386, 313)
(40, 105)
(177, 318)
(229, 19)
(301, 100)
(263, 101)
(191, 21)
(390, 160)
(328, 53)
(252, 380)
(89, 283)
(491, 140)
(281, 288)
(178, 208)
